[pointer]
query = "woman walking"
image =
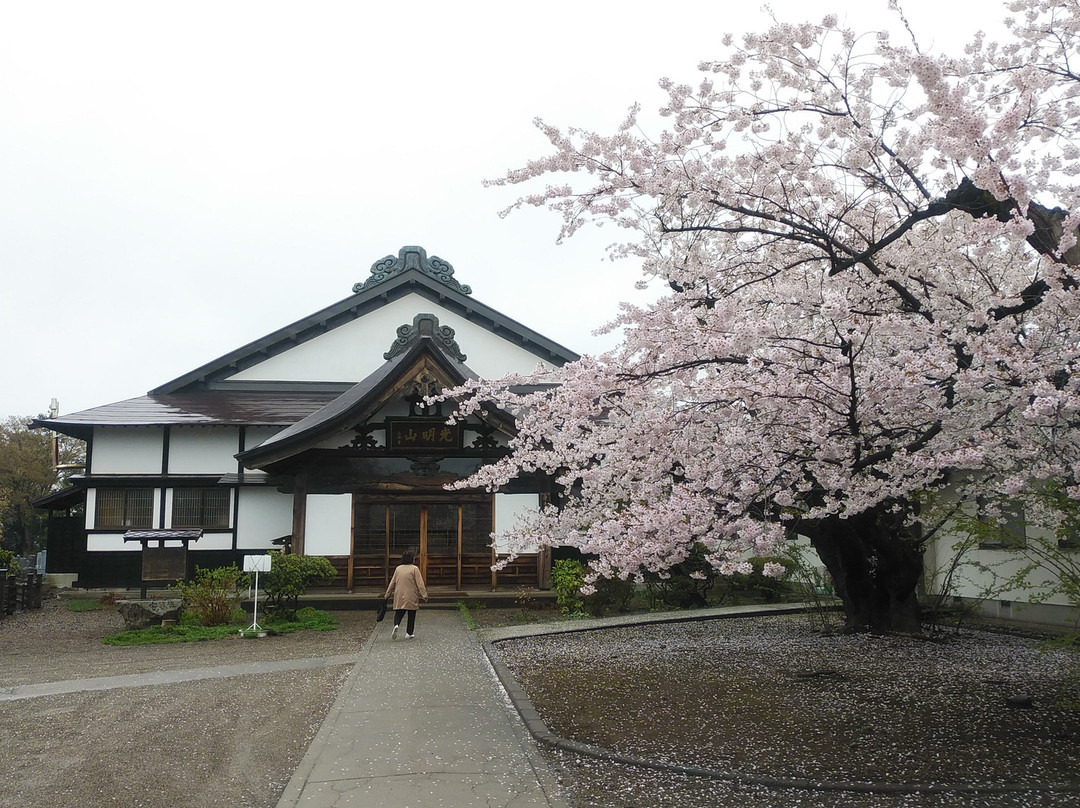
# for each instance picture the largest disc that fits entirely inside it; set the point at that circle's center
(407, 588)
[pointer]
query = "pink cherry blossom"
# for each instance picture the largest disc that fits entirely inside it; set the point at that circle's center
(866, 295)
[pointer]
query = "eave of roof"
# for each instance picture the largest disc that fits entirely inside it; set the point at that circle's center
(412, 273)
(353, 405)
(242, 406)
(61, 500)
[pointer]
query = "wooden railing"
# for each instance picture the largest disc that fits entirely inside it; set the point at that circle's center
(370, 570)
(21, 592)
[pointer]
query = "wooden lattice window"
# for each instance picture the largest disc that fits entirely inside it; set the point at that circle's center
(124, 508)
(200, 507)
(476, 527)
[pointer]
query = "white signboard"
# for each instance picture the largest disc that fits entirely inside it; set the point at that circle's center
(257, 563)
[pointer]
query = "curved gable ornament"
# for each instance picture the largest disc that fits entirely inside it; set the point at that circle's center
(412, 258)
(425, 325)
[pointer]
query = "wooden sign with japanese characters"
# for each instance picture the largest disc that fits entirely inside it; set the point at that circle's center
(423, 435)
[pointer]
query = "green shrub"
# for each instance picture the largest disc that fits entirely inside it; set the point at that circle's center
(686, 585)
(567, 578)
(7, 561)
(308, 618)
(756, 587)
(289, 577)
(214, 594)
(612, 594)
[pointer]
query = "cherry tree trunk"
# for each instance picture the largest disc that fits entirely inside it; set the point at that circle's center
(875, 564)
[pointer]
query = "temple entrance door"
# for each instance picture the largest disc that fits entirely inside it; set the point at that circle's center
(430, 531)
(450, 539)
(439, 543)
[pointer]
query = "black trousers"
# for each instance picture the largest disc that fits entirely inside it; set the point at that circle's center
(399, 613)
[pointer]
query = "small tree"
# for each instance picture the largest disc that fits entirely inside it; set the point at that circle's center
(290, 576)
(214, 594)
(26, 474)
(8, 562)
(567, 579)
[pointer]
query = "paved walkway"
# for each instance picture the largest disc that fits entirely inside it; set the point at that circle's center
(169, 677)
(422, 723)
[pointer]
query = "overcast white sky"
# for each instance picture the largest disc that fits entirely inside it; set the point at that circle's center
(178, 179)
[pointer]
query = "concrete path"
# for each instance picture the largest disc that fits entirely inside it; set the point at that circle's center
(169, 677)
(422, 723)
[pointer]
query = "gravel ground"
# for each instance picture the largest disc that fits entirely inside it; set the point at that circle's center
(770, 698)
(203, 744)
(764, 697)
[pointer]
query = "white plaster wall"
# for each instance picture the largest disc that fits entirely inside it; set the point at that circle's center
(353, 351)
(101, 542)
(212, 541)
(809, 556)
(349, 352)
(128, 450)
(256, 435)
(508, 509)
(981, 572)
(490, 355)
(263, 515)
(203, 450)
(113, 542)
(328, 529)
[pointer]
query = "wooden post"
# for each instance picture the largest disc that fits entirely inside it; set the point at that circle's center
(352, 544)
(423, 541)
(386, 552)
(543, 568)
(299, 513)
(460, 508)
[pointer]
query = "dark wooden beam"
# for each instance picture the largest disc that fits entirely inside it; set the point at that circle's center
(299, 513)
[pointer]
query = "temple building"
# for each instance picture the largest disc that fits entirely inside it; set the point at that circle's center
(319, 436)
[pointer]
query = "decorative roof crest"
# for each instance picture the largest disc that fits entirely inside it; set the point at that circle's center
(412, 258)
(424, 325)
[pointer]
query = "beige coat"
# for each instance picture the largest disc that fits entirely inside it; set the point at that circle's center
(407, 587)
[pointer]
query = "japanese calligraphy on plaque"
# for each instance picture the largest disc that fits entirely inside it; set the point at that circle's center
(420, 435)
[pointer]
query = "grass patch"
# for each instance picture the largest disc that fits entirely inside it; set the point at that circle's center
(466, 615)
(308, 618)
(84, 605)
(188, 630)
(156, 635)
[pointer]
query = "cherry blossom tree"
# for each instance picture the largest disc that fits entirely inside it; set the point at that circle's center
(868, 253)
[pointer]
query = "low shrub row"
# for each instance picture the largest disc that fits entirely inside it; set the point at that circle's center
(694, 583)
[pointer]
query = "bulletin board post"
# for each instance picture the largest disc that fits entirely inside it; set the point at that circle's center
(256, 564)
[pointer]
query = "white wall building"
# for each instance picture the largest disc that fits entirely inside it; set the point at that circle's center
(318, 432)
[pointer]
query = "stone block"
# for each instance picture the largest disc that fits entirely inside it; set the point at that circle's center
(146, 613)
